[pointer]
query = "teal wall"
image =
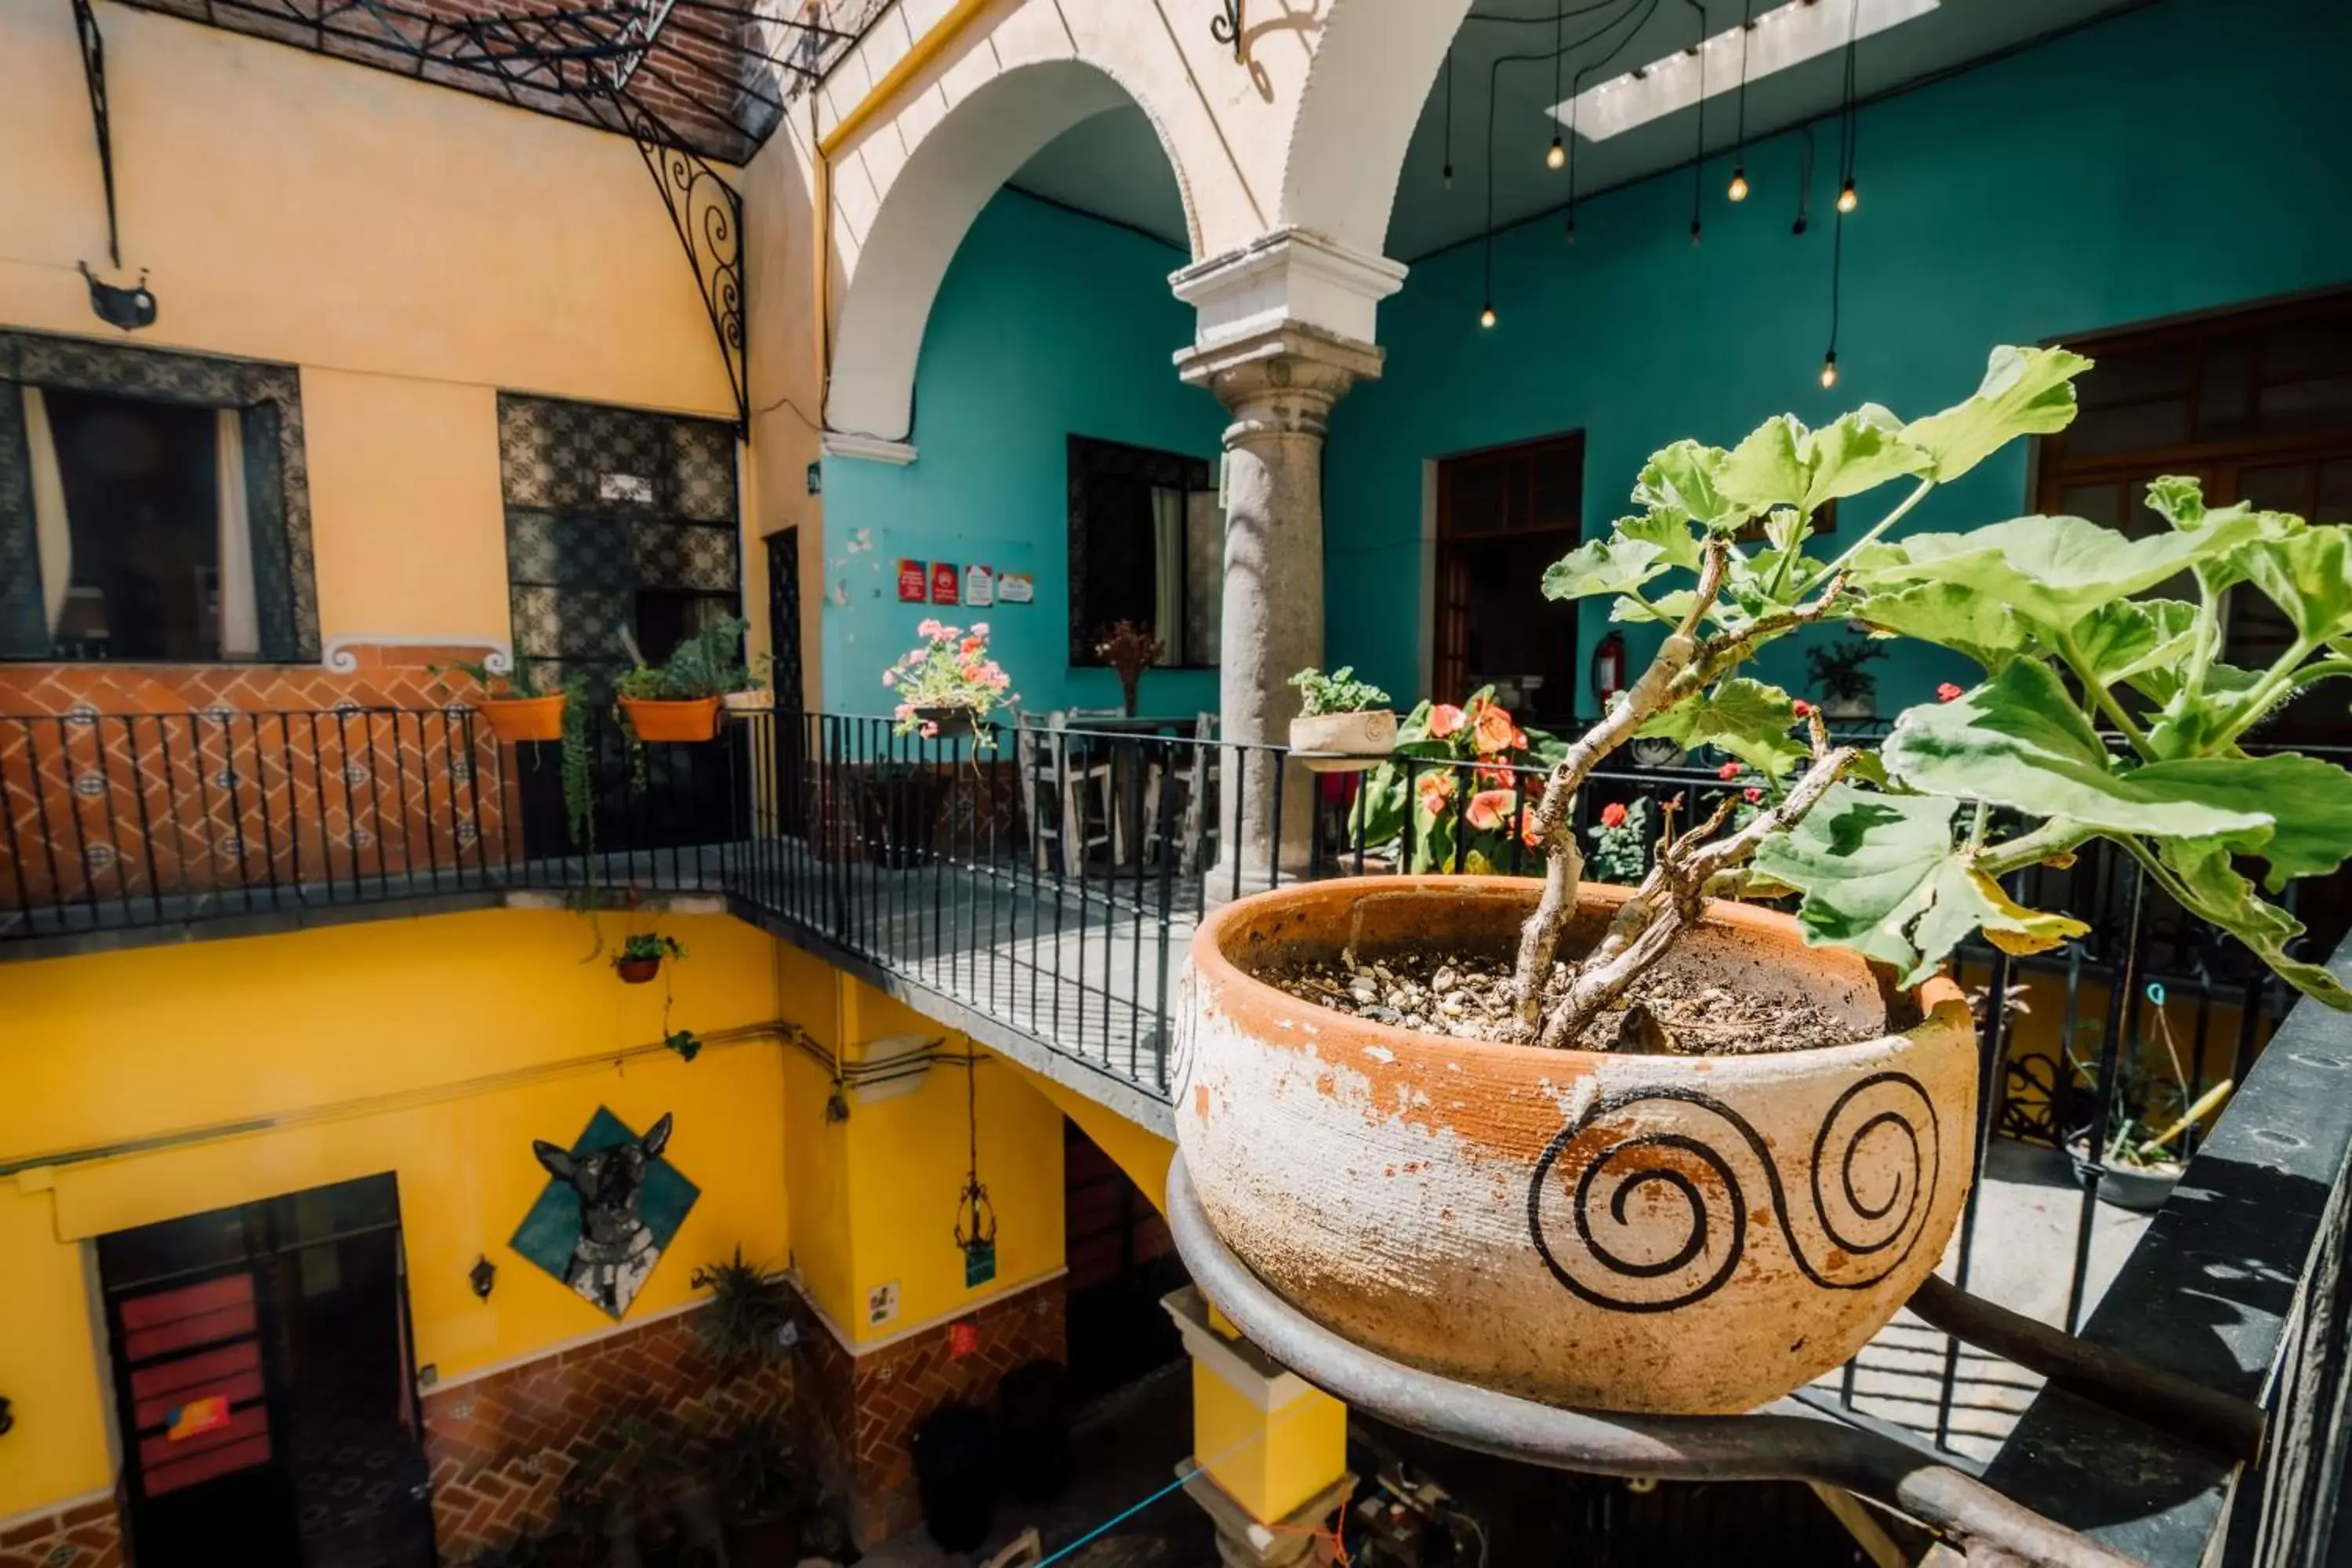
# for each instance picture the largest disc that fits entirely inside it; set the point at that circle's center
(1047, 324)
(2184, 156)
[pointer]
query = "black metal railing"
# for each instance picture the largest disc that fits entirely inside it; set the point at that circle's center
(1042, 884)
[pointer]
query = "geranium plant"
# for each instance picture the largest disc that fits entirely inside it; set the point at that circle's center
(1475, 798)
(949, 672)
(1337, 692)
(1895, 854)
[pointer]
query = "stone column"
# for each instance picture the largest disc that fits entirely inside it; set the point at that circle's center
(1279, 383)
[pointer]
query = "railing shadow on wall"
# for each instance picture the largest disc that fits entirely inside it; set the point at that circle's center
(1047, 881)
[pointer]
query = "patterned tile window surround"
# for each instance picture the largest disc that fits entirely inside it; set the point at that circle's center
(269, 397)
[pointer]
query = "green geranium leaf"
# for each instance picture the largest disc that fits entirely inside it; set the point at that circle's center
(1684, 478)
(2179, 498)
(1952, 616)
(1669, 529)
(2120, 640)
(2025, 392)
(1764, 470)
(1611, 565)
(1880, 874)
(2020, 740)
(2216, 892)
(1745, 717)
(1783, 464)
(2052, 570)
(2308, 801)
(2308, 575)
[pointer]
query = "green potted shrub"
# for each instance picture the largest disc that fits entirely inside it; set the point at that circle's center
(764, 1495)
(678, 700)
(1841, 674)
(750, 1311)
(640, 958)
(1690, 1152)
(1343, 724)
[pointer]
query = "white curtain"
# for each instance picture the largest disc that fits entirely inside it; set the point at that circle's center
(1168, 578)
(240, 617)
(54, 539)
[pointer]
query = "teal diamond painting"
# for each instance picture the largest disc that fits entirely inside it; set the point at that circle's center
(601, 1225)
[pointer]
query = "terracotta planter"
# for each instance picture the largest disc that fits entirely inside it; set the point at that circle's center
(516, 718)
(1625, 1232)
(697, 718)
(1344, 742)
(637, 970)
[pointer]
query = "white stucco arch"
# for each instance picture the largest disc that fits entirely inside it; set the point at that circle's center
(1374, 64)
(955, 162)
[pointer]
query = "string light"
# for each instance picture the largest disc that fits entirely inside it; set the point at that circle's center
(1847, 199)
(1849, 132)
(1698, 155)
(1449, 117)
(1829, 370)
(1557, 158)
(1486, 316)
(1737, 190)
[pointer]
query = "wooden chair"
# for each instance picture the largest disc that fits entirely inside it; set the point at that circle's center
(1057, 766)
(1189, 768)
(1023, 1550)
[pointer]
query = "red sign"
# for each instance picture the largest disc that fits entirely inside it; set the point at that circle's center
(943, 583)
(963, 1339)
(911, 582)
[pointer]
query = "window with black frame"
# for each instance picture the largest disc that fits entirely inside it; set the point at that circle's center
(1147, 546)
(154, 506)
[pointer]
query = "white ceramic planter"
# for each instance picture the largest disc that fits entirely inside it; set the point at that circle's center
(1650, 1233)
(1335, 742)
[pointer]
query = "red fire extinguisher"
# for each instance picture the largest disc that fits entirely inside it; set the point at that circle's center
(1608, 669)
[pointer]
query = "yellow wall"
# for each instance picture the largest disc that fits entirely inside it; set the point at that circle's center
(393, 1025)
(413, 248)
(892, 1175)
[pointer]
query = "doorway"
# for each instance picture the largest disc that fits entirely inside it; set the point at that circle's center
(263, 1384)
(1503, 516)
(786, 678)
(1121, 1261)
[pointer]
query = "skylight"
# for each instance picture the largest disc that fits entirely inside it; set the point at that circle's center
(1785, 35)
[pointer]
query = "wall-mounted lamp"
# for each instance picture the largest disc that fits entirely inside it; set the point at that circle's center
(482, 1276)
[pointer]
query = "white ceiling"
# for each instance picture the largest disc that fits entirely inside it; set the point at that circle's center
(1112, 165)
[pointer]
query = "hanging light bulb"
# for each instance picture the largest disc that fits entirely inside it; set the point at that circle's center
(1557, 157)
(1738, 190)
(1449, 177)
(1829, 370)
(1486, 316)
(1572, 229)
(1847, 200)
(1696, 231)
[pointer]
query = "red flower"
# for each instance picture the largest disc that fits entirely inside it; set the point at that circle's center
(1436, 792)
(1729, 771)
(1802, 707)
(1492, 777)
(1753, 794)
(1489, 809)
(1491, 728)
(1443, 720)
(1947, 692)
(1613, 815)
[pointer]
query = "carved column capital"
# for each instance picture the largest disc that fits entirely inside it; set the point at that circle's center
(1280, 380)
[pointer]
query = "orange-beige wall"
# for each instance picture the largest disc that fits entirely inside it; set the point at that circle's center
(415, 249)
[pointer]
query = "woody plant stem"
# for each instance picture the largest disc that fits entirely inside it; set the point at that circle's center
(1688, 869)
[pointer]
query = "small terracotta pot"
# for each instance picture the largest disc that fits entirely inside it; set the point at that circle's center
(696, 719)
(952, 722)
(515, 719)
(637, 970)
(1344, 742)
(1621, 1232)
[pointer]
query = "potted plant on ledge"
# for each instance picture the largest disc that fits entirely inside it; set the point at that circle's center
(1840, 674)
(1128, 651)
(1646, 1148)
(512, 703)
(678, 701)
(1343, 724)
(947, 685)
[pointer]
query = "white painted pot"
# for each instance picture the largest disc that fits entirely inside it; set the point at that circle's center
(1334, 742)
(1623, 1232)
(756, 699)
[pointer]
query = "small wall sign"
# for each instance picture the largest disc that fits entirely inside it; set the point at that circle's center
(881, 1304)
(979, 1264)
(914, 582)
(1015, 588)
(943, 582)
(625, 487)
(979, 585)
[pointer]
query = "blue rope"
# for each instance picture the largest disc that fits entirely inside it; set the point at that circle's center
(1117, 1519)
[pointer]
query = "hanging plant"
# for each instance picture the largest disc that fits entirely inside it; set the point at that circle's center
(640, 958)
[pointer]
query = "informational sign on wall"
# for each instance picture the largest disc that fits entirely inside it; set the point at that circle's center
(881, 1304)
(914, 582)
(1015, 588)
(979, 585)
(979, 1264)
(943, 583)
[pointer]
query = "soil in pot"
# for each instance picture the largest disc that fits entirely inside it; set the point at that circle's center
(1468, 996)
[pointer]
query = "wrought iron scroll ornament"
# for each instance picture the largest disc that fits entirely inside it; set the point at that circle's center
(132, 308)
(708, 212)
(1226, 26)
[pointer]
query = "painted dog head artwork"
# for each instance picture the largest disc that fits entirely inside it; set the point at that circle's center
(615, 1202)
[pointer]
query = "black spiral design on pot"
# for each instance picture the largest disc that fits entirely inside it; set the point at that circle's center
(1859, 1236)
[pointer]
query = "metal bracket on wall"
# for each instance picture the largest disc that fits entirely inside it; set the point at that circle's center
(132, 308)
(707, 210)
(1226, 26)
